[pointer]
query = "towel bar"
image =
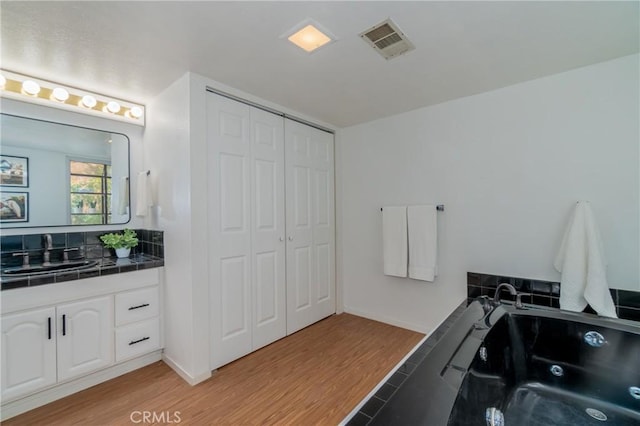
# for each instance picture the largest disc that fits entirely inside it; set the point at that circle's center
(439, 207)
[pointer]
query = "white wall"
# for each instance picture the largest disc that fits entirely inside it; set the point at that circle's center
(167, 147)
(134, 133)
(509, 166)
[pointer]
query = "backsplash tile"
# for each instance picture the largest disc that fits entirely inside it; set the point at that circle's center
(79, 245)
(546, 293)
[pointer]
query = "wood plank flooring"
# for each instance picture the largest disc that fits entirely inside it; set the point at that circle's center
(313, 377)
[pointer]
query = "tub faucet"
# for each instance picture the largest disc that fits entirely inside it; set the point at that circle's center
(46, 254)
(496, 296)
(513, 292)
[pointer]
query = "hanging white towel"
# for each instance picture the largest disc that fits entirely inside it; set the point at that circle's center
(394, 240)
(123, 199)
(144, 199)
(423, 239)
(582, 263)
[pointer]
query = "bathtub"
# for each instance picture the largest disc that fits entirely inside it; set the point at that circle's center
(518, 367)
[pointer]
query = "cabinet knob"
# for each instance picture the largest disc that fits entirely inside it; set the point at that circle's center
(281, 239)
(290, 238)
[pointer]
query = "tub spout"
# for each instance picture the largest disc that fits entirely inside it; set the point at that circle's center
(496, 296)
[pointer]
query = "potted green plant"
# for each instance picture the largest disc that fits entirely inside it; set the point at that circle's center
(122, 243)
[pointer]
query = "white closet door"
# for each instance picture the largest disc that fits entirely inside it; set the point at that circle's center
(229, 143)
(310, 225)
(268, 231)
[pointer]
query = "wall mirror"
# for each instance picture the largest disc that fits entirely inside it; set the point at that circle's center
(54, 174)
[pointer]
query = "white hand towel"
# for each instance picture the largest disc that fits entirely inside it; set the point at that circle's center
(144, 199)
(394, 240)
(582, 263)
(123, 198)
(423, 238)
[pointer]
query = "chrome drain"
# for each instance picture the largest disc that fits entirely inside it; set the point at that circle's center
(556, 370)
(596, 414)
(635, 392)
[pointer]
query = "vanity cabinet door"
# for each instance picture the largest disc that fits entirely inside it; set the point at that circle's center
(85, 336)
(28, 352)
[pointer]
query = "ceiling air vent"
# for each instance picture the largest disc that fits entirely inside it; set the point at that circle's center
(387, 39)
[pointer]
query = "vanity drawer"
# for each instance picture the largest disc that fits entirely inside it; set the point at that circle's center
(137, 305)
(137, 339)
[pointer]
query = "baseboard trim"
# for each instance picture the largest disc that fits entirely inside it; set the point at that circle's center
(381, 318)
(182, 373)
(24, 404)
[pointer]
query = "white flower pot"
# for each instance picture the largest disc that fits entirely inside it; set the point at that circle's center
(123, 252)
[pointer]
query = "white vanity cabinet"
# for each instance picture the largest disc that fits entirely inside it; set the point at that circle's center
(60, 338)
(43, 346)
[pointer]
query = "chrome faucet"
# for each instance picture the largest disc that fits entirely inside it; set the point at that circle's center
(46, 254)
(513, 292)
(496, 296)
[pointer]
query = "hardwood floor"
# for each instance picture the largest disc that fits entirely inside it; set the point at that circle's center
(313, 377)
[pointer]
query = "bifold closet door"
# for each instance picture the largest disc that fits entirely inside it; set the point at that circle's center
(246, 228)
(310, 225)
(268, 228)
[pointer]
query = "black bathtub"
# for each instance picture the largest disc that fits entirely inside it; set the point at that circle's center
(512, 367)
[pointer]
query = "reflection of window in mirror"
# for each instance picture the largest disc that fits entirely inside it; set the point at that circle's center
(89, 192)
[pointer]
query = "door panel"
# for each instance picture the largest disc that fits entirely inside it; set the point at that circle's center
(266, 288)
(323, 272)
(302, 264)
(268, 230)
(233, 193)
(234, 280)
(310, 225)
(85, 336)
(229, 183)
(28, 352)
(246, 228)
(302, 197)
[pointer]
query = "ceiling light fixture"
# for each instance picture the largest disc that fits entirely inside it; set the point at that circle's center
(309, 36)
(43, 92)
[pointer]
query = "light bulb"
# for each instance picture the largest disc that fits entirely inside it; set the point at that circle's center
(60, 94)
(113, 107)
(89, 101)
(3, 81)
(135, 112)
(30, 87)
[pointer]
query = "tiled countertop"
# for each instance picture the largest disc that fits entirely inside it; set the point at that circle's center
(105, 266)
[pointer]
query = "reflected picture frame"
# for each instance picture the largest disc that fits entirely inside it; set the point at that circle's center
(14, 207)
(14, 171)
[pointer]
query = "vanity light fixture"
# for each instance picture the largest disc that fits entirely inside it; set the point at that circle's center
(113, 107)
(60, 94)
(43, 92)
(89, 101)
(309, 35)
(136, 112)
(30, 87)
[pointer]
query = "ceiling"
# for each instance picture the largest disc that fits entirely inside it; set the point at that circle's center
(133, 50)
